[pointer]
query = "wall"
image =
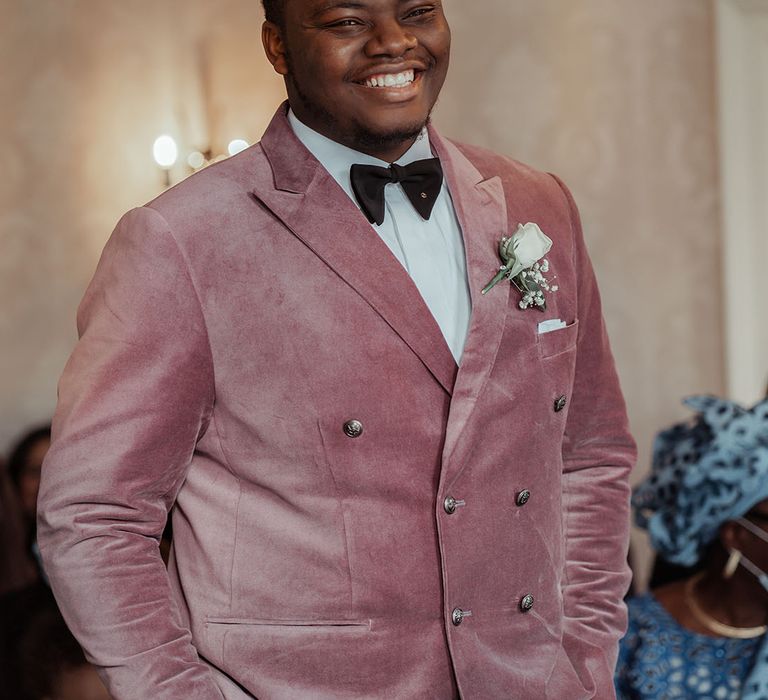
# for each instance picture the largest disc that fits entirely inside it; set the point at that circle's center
(91, 84)
(742, 50)
(615, 96)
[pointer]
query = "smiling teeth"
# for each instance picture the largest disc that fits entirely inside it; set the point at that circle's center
(390, 79)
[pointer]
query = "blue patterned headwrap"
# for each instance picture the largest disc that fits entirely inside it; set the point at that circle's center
(705, 472)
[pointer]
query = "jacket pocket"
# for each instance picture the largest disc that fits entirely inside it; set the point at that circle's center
(231, 638)
(268, 622)
(559, 341)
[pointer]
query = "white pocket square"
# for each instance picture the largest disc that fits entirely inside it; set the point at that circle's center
(553, 324)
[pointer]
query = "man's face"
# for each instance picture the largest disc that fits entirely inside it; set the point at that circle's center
(365, 73)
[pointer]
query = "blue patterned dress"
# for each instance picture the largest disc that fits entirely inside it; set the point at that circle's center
(660, 660)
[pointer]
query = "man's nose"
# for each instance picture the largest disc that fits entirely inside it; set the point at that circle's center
(390, 38)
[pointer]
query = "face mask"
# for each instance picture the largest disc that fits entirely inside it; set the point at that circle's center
(750, 566)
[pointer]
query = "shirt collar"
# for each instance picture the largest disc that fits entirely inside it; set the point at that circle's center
(337, 159)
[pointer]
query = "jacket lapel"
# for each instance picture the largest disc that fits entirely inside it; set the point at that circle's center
(482, 212)
(310, 203)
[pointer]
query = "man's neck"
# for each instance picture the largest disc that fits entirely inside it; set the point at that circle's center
(390, 153)
(338, 157)
(386, 153)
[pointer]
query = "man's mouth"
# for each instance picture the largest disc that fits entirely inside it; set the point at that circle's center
(390, 80)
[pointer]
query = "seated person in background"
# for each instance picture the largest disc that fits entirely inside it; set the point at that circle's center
(705, 502)
(23, 591)
(16, 568)
(24, 465)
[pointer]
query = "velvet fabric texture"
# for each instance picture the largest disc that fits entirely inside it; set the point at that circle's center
(233, 326)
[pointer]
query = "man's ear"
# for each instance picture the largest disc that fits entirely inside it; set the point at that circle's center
(274, 47)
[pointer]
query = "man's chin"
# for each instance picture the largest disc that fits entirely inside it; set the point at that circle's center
(379, 140)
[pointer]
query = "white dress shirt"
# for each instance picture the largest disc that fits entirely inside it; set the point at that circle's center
(431, 251)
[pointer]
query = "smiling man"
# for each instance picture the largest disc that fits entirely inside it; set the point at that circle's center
(370, 93)
(390, 474)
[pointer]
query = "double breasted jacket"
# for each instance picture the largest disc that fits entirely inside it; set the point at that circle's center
(354, 515)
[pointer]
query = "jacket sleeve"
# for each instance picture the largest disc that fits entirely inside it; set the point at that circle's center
(598, 454)
(133, 400)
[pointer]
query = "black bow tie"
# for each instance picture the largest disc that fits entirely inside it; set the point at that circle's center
(421, 181)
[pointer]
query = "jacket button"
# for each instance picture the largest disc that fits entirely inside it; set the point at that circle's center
(523, 497)
(560, 402)
(450, 504)
(353, 428)
(458, 615)
(526, 603)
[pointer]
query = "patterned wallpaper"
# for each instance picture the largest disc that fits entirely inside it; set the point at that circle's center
(615, 96)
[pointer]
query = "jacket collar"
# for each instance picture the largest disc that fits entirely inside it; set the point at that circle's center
(481, 208)
(312, 205)
(304, 196)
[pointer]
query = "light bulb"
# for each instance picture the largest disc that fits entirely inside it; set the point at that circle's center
(165, 151)
(236, 145)
(196, 160)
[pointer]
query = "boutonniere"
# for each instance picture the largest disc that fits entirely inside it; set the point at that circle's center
(523, 265)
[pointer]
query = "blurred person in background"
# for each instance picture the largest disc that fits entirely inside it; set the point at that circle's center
(24, 464)
(705, 503)
(16, 568)
(58, 670)
(24, 591)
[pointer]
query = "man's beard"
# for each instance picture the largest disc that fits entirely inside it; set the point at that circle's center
(374, 142)
(360, 138)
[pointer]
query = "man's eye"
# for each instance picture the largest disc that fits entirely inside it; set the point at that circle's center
(345, 23)
(419, 11)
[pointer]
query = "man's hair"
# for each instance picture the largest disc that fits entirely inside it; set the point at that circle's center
(274, 11)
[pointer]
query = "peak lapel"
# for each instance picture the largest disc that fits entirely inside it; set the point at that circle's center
(482, 212)
(316, 210)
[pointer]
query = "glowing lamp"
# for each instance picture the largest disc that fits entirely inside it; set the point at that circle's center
(236, 146)
(196, 160)
(165, 151)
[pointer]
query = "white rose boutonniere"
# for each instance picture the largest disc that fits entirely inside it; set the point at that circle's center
(523, 265)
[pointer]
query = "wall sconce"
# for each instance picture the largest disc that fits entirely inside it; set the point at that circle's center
(166, 154)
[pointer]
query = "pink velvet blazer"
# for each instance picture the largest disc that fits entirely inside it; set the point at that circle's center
(253, 357)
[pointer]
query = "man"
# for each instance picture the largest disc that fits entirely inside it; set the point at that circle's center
(374, 494)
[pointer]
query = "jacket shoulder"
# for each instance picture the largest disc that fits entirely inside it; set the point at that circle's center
(526, 188)
(516, 176)
(209, 196)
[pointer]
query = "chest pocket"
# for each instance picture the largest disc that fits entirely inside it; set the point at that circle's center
(557, 342)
